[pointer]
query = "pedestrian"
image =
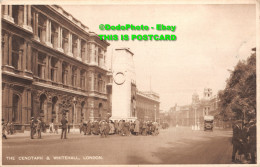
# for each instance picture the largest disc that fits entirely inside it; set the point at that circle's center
(144, 129)
(244, 144)
(132, 127)
(64, 127)
(39, 128)
(84, 127)
(102, 128)
(81, 127)
(8, 127)
(111, 127)
(32, 126)
(68, 127)
(136, 127)
(116, 126)
(51, 128)
(89, 124)
(43, 126)
(126, 128)
(236, 140)
(92, 127)
(11, 128)
(56, 127)
(96, 128)
(107, 129)
(149, 127)
(3, 129)
(120, 127)
(156, 128)
(141, 127)
(252, 140)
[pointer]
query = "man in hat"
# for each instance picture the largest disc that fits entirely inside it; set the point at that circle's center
(236, 140)
(137, 128)
(102, 125)
(39, 128)
(81, 127)
(89, 124)
(64, 127)
(32, 125)
(84, 127)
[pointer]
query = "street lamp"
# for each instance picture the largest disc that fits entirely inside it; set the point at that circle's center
(195, 126)
(74, 115)
(195, 120)
(155, 113)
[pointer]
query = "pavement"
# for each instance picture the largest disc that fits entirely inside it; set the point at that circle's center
(172, 146)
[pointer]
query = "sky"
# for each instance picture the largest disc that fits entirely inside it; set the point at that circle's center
(211, 39)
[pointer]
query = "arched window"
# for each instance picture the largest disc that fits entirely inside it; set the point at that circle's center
(54, 108)
(43, 106)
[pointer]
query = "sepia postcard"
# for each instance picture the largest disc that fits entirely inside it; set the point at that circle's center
(170, 83)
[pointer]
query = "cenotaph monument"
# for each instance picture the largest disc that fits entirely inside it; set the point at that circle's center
(124, 86)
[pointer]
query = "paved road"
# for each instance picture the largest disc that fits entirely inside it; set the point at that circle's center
(173, 146)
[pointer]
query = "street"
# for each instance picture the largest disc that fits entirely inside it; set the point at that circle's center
(172, 146)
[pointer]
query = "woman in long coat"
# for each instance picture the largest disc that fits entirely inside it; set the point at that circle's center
(112, 127)
(137, 128)
(89, 124)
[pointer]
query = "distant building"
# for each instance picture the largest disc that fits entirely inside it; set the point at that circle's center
(187, 115)
(148, 106)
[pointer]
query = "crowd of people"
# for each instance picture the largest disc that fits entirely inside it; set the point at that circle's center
(102, 128)
(122, 127)
(244, 141)
(7, 128)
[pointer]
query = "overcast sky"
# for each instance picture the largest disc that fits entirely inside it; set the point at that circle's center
(210, 40)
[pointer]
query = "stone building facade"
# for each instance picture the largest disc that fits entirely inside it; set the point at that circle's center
(51, 65)
(188, 115)
(147, 106)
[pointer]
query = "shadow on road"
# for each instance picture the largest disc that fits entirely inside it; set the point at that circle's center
(211, 149)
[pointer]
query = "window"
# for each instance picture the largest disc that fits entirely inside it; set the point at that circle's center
(64, 73)
(96, 84)
(74, 46)
(41, 65)
(99, 57)
(17, 52)
(15, 10)
(83, 50)
(54, 69)
(65, 41)
(74, 76)
(42, 28)
(82, 79)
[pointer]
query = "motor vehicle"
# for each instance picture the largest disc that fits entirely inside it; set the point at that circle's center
(208, 122)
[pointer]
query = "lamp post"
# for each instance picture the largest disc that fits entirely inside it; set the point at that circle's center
(195, 118)
(74, 115)
(195, 126)
(155, 113)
